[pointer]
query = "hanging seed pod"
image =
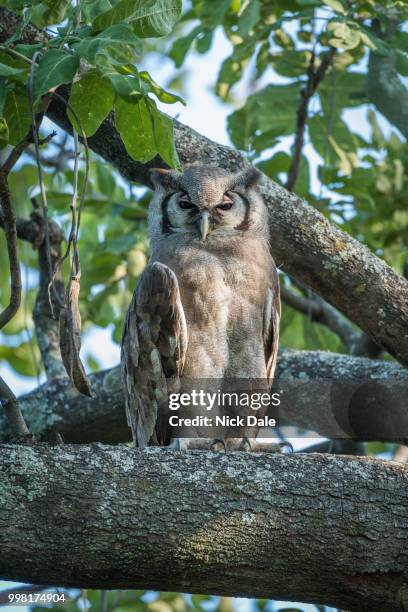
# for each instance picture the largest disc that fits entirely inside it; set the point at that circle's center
(70, 337)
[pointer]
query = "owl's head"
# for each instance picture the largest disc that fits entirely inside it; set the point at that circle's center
(206, 201)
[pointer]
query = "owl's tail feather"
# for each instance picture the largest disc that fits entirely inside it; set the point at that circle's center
(153, 349)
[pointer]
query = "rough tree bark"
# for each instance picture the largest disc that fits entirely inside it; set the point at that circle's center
(304, 527)
(304, 243)
(384, 87)
(56, 407)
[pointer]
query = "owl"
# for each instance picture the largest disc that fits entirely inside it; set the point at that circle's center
(207, 306)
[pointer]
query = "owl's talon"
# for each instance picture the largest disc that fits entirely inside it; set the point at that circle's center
(286, 443)
(246, 440)
(218, 441)
(178, 444)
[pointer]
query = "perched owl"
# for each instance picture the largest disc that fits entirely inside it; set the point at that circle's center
(207, 306)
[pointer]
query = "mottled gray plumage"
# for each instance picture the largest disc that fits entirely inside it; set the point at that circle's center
(207, 306)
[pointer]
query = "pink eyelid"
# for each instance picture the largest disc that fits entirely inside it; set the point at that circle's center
(225, 200)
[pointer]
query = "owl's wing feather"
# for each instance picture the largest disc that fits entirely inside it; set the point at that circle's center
(153, 349)
(272, 314)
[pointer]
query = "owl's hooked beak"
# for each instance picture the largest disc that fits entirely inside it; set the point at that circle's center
(204, 224)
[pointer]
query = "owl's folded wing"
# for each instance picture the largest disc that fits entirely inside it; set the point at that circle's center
(272, 314)
(153, 350)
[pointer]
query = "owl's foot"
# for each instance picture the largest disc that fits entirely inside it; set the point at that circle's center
(288, 445)
(179, 444)
(215, 444)
(246, 442)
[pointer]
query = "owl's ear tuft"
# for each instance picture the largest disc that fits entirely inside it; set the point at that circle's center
(167, 179)
(249, 178)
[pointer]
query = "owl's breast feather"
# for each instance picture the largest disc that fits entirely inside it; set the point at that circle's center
(223, 294)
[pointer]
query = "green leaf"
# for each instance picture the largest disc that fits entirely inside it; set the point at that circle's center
(280, 163)
(163, 131)
(55, 68)
(7, 71)
(213, 12)
(204, 40)
(270, 111)
(3, 94)
(377, 134)
(105, 179)
(249, 18)
(336, 5)
(290, 63)
(182, 45)
(93, 8)
(148, 17)
(91, 99)
(134, 124)
(145, 131)
(28, 50)
(19, 358)
(17, 114)
(342, 36)
(349, 92)
(4, 133)
(55, 10)
(401, 63)
(128, 87)
(336, 144)
(160, 93)
(118, 43)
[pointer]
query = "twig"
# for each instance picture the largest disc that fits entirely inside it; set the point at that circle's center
(314, 78)
(44, 204)
(10, 229)
(47, 325)
(300, 303)
(12, 410)
(26, 324)
(21, 147)
(319, 311)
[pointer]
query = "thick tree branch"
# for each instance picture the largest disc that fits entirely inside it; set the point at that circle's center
(383, 85)
(12, 412)
(27, 229)
(240, 524)
(307, 245)
(56, 407)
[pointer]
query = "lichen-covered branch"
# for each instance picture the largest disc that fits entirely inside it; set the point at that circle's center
(330, 530)
(10, 405)
(56, 407)
(27, 229)
(384, 87)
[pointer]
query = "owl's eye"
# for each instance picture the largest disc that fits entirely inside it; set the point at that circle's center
(226, 203)
(185, 203)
